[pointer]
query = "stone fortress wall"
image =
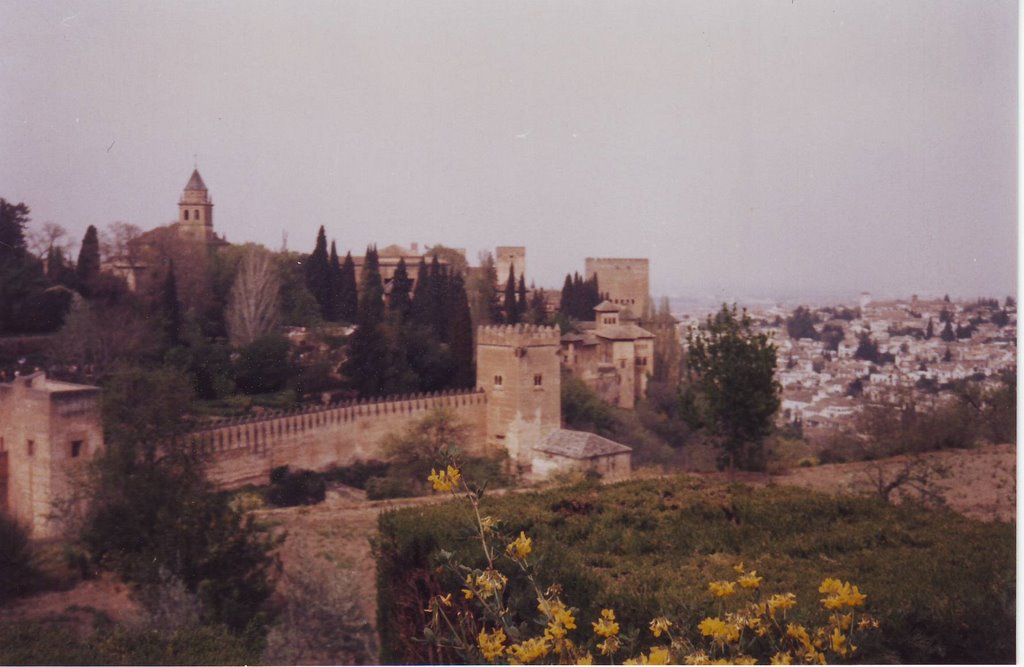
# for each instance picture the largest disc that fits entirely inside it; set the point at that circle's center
(625, 281)
(244, 451)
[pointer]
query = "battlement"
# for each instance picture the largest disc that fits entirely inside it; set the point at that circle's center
(604, 261)
(518, 335)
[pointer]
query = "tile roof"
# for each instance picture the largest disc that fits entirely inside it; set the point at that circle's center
(196, 182)
(579, 445)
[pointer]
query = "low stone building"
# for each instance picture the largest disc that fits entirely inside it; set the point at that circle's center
(578, 451)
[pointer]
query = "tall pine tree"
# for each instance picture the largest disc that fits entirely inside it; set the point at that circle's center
(332, 311)
(318, 273)
(170, 309)
(463, 371)
(400, 302)
(88, 267)
(368, 349)
(348, 292)
(521, 305)
(511, 309)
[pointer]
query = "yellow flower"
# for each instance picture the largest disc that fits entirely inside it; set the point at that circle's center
(722, 589)
(561, 620)
(530, 649)
(842, 622)
(660, 625)
(697, 658)
(738, 568)
(840, 594)
(782, 658)
(606, 625)
(609, 645)
(744, 660)
(520, 547)
(719, 630)
(659, 656)
(799, 633)
(492, 644)
(445, 480)
(838, 642)
(783, 602)
(488, 522)
(586, 660)
(750, 580)
(490, 582)
(866, 622)
(446, 600)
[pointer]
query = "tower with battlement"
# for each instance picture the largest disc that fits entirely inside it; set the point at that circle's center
(517, 367)
(195, 211)
(509, 256)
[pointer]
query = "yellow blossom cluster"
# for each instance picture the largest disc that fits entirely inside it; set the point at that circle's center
(840, 594)
(492, 644)
(781, 601)
(489, 583)
(519, 548)
(722, 589)
(750, 580)
(659, 655)
(445, 480)
(529, 650)
(606, 625)
(719, 631)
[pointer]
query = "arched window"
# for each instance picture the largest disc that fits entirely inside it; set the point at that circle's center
(186, 214)
(197, 215)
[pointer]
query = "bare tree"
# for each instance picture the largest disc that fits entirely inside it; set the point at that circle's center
(116, 241)
(253, 306)
(917, 476)
(41, 242)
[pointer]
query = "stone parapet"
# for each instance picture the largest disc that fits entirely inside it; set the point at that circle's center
(518, 335)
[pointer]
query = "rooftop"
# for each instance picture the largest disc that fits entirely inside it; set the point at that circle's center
(579, 445)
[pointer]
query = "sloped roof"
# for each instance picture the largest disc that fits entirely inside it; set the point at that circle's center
(579, 445)
(607, 307)
(196, 182)
(622, 332)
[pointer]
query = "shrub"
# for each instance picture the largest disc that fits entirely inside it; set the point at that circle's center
(303, 487)
(17, 575)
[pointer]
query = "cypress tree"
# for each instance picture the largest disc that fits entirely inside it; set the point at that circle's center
(400, 303)
(333, 309)
(537, 307)
(170, 308)
(511, 311)
(463, 371)
(318, 273)
(13, 218)
(929, 331)
(420, 297)
(88, 260)
(565, 307)
(521, 305)
(348, 292)
(438, 299)
(366, 367)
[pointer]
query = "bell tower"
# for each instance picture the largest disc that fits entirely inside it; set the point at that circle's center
(195, 211)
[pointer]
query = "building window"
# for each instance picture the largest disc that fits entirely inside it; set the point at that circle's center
(186, 214)
(197, 214)
(31, 448)
(76, 448)
(538, 380)
(497, 380)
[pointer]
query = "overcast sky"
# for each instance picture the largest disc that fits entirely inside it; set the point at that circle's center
(770, 148)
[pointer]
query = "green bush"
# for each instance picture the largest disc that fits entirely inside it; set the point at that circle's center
(942, 585)
(358, 474)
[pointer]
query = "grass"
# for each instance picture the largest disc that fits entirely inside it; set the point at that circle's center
(943, 585)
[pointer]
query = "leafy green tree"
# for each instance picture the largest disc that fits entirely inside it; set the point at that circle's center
(537, 311)
(929, 331)
(482, 289)
(88, 267)
(1000, 318)
(948, 335)
(801, 324)
(333, 310)
(522, 307)
(400, 301)
(25, 306)
(668, 350)
(832, 335)
(263, 365)
(867, 349)
(298, 305)
(153, 514)
(170, 309)
(13, 218)
(732, 377)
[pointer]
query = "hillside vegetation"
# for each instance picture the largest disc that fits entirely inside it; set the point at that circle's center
(942, 585)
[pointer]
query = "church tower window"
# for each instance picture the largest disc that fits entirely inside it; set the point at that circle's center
(186, 214)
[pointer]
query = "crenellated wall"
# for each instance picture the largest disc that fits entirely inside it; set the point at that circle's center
(243, 451)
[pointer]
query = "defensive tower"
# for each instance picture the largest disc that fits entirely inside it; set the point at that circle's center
(518, 369)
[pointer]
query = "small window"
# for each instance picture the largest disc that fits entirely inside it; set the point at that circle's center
(186, 214)
(31, 448)
(497, 380)
(538, 380)
(197, 214)
(76, 449)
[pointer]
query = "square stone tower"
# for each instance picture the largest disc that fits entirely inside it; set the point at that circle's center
(506, 256)
(625, 281)
(48, 432)
(518, 369)
(195, 211)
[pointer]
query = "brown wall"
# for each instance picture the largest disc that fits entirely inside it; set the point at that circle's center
(624, 280)
(244, 452)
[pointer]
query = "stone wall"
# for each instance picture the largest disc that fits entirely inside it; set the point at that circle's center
(244, 451)
(505, 256)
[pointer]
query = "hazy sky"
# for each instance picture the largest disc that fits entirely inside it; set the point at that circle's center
(748, 148)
